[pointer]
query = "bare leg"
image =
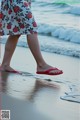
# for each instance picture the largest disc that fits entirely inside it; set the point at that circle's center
(9, 50)
(35, 49)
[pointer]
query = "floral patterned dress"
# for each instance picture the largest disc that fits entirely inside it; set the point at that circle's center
(16, 18)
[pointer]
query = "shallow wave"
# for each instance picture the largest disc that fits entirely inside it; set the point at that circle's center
(73, 10)
(73, 94)
(73, 7)
(51, 3)
(61, 4)
(52, 45)
(66, 34)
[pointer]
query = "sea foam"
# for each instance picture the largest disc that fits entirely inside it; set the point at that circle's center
(66, 34)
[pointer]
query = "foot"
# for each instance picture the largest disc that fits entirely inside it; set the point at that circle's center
(48, 70)
(7, 69)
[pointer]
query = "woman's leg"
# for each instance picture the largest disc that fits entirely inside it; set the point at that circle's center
(35, 49)
(9, 50)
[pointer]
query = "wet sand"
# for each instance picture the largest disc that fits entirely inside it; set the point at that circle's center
(30, 97)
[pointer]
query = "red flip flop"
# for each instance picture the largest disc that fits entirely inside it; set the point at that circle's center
(13, 71)
(48, 72)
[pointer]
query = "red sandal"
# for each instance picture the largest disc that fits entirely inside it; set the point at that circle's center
(13, 71)
(48, 72)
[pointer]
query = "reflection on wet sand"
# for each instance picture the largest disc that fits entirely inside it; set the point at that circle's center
(24, 88)
(21, 95)
(34, 99)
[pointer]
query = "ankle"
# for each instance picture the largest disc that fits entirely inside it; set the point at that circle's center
(4, 65)
(40, 65)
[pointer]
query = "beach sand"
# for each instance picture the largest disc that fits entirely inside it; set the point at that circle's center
(31, 97)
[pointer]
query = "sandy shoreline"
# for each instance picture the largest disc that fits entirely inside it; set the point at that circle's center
(31, 98)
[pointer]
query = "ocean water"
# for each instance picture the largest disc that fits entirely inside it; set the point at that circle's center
(59, 32)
